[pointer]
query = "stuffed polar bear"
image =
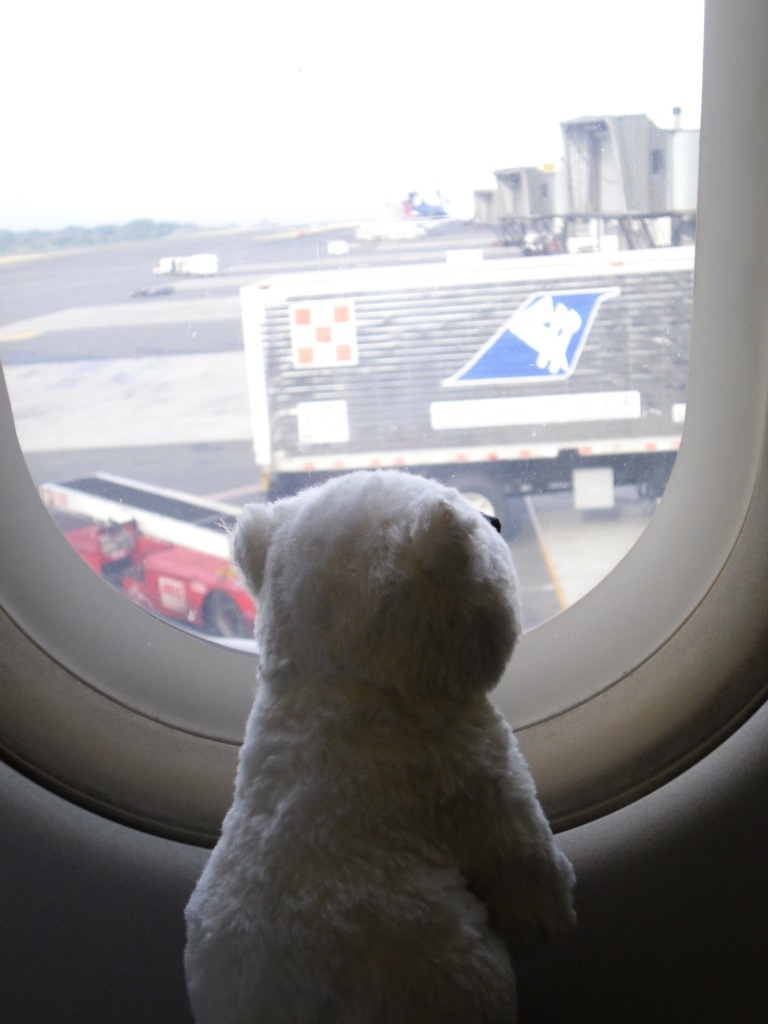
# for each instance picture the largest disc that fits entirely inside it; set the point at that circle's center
(385, 857)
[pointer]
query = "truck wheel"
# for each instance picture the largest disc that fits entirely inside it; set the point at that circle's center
(482, 502)
(222, 616)
(484, 495)
(489, 497)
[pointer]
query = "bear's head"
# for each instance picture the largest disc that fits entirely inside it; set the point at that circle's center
(381, 577)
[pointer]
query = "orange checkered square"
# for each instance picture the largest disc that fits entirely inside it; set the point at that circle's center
(323, 333)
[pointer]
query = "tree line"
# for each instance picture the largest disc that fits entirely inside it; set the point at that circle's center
(73, 237)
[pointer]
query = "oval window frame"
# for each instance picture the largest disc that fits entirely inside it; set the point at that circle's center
(663, 659)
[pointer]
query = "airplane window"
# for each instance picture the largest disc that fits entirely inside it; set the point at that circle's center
(482, 273)
(195, 339)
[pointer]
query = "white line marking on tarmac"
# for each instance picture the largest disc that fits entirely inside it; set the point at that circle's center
(170, 311)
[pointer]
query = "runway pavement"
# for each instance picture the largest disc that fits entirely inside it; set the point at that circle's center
(130, 402)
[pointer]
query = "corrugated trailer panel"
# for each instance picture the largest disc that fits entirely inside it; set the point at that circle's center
(412, 339)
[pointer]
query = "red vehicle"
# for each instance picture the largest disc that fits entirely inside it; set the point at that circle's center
(196, 584)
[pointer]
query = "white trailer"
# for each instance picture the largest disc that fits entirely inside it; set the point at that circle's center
(499, 378)
(204, 264)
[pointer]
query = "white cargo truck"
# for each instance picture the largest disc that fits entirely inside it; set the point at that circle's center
(203, 264)
(501, 377)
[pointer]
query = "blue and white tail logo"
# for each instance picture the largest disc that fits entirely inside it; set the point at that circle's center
(541, 341)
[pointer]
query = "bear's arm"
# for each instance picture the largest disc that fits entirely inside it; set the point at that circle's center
(515, 867)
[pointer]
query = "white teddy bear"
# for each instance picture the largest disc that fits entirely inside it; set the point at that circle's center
(385, 856)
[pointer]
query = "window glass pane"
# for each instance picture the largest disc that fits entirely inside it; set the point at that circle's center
(480, 236)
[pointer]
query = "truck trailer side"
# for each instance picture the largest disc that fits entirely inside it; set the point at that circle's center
(498, 378)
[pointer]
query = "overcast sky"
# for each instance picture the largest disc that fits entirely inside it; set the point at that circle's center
(221, 112)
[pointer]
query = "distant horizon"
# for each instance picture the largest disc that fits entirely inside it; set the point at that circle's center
(302, 113)
(361, 209)
(190, 225)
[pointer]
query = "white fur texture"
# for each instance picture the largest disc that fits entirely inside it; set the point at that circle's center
(385, 855)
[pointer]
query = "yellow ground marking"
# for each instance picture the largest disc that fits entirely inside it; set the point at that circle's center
(305, 231)
(28, 257)
(236, 492)
(19, 335)
(562, 600)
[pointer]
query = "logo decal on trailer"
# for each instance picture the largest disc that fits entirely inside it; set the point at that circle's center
(323, 333)
(172, 594)
(541, 341)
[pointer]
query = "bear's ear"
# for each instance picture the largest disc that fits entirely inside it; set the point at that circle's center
(441, 540)
(250, 543)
